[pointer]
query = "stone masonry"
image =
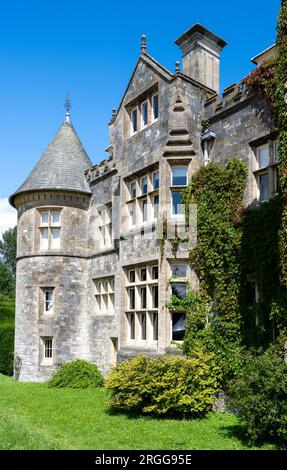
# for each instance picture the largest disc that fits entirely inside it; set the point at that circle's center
(93, 273)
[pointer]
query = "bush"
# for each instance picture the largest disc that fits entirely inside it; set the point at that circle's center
(77, 374)
(168, 386)
(259, 395)
(7, 313)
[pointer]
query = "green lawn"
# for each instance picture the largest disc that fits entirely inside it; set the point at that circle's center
(32, 416)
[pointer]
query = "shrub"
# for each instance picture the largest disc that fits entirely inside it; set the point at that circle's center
(7, 312)
(77, 374)
(259, 395)
(167, 386)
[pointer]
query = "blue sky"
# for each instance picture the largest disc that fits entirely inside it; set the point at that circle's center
(90, 48)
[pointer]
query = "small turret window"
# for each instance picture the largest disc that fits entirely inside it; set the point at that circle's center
(47, 350)
(50, 230)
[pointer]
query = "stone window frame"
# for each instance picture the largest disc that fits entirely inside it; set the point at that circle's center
(105, 225)
(50, 226)
(177, 188)
(136, 106)
(104, 295)
(143, 125)
(155, 95)
(144, 316)
(42, 301)
(134, 182)
(134, 124)
(134, 205)
(181, 280)
(270, 170)
(153, 180)
(47, 350)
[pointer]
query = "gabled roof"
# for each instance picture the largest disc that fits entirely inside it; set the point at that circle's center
(62, 166)
(154, 65)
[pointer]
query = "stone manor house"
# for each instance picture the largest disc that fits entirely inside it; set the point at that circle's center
(93, 278)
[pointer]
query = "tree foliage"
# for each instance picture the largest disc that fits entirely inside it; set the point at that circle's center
(259, 395)
(7, 309)
(8, 248)
(7, 281)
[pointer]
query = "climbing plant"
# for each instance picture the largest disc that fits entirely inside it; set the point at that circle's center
(281, 122)
(263, 297)
(263, 80)
(213, 315)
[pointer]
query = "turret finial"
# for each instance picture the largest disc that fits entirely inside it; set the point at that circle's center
(177, 69)
(143, 43)
(68, 106)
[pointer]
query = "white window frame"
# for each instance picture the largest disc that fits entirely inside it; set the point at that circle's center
(152, 178)
(141, 185)
(144, 214)
(269, 171)
(105, 216)
(152, 100)
(267, 145)
(144, 304)
(131, 183)
(135, 109)
(179, 263)
(142, 121)
(174, 215)
(50, 228)
(48, 350)
(171, 180)
(48, 311)
(154, 205)
(105, 295)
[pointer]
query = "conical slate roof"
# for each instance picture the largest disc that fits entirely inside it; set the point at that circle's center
(62, 166)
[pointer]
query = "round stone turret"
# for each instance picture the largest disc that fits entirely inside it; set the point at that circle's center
(51, 278)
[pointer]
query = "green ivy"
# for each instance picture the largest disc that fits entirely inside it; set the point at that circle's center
(281, 121)
(263, 80)
(213, 314)
(265, 319)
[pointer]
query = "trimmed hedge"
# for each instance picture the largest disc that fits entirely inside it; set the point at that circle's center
(77, 374)
(169, 386)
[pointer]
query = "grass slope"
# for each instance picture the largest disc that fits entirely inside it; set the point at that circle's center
(33, 416)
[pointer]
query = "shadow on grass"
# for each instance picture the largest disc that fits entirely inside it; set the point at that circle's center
(139, 415)
(237, 431)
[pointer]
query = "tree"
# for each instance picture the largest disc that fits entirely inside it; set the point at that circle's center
(7, 281)
(8, 249)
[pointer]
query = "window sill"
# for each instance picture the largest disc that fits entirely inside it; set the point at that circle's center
(47, 363)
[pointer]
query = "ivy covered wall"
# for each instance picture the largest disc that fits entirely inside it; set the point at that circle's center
(241, 255)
